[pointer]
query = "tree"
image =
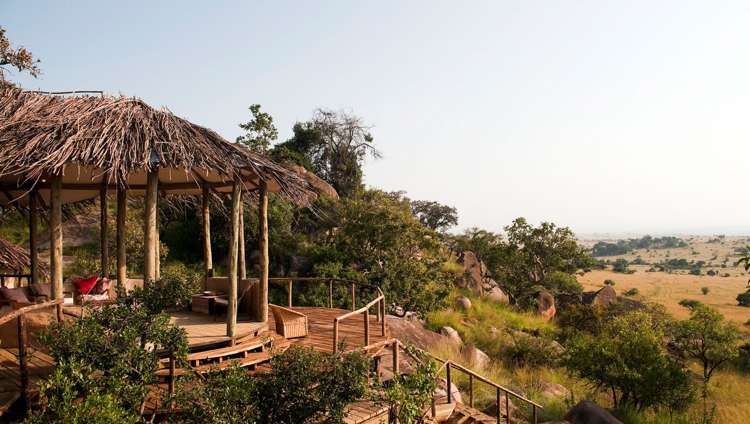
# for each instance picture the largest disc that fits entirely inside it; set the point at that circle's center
(744, 298)
(433, 215)
(378, 240)
(628, 359)
(706, 337)
(531, 254)
(335, 144)
(260, 131)
(19, 58)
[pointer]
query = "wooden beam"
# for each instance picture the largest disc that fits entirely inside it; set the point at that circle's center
(207, 232)
(33, 239)
(234, 238)
(122, 207)
(249, 185)
(149, 228)
(56, 240)
(23, 361)
(263, 247)
(103, 222)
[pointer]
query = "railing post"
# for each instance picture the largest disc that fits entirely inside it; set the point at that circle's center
(289, 294)
(497, 402)
(395, 357)
(330, 293)
(471, 390)
(23, 361)
(382, 323)
(354, 305)
(535, 417)
(448, 379)
(335, 335)
(171, 372)
(507, 410)
(367, 327)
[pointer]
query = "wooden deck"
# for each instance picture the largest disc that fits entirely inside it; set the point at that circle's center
(320, 322)
(203, 332)
(40, 367)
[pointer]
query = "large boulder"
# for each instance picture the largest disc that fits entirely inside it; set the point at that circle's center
(452, 335)
(413, 331)
(552, 390)
(605, 296)
(587, 412)
(545, 304)
(318, 185)
(494, 293)
(491, 409)
(475, 356)
(440, 390)
(473, 274)
(463, 302)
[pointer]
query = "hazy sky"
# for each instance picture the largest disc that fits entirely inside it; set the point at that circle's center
(601, 116)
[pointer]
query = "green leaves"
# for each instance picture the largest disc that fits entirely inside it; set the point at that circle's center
(260, 131)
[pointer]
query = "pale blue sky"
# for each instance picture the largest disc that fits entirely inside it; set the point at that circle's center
(601, 116)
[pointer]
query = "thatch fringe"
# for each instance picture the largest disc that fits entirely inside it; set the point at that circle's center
(42, 133)
(17, 259)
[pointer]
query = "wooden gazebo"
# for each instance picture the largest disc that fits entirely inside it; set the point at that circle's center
(62, 150)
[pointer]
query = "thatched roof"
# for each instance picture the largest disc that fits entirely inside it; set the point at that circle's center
(17, 259)
(102, 142)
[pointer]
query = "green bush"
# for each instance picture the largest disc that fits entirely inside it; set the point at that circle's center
(631, 292)
(562, 282)
(705, 290)
(609, 282)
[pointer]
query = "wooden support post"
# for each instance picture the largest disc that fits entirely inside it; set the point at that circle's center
(497, 402)
(122, 210)
(234, 239)
(289, 294)
(241, 265)
(448, 385)
(382, 323)
(367, 327)
(471, 391)
(149, 230)
(56, 241)
(23, 361)
(507, 410)
(33, 245)
(354, 304)
(157, 244)
(330, 294)
(396, 361)
(208, 266)
(103, 232)
(263, 247)
(335, 335)
(534, 416)
(377, 312)
(171, 372)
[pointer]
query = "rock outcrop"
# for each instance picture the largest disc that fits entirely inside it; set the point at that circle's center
(413, 331)
(452, 334)
(473, 275)
(491, 409)
(317, 184)
(441, 390)
(475, 356)
(463, 302)
(587, 412)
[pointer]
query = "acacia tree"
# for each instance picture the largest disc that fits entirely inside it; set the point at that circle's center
(433, 215)
(531, 254)
(18, 58)
(260, 131)
(706, 337)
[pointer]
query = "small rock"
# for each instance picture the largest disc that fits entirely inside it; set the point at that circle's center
(475, 356)
(440, 390)
(497, 295)
(494, 333)
(491, 410)
(553, 390)
(452, 334)
(557, 347)
(463, 302)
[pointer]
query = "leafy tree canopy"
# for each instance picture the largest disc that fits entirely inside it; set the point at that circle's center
(433, 215)
(260, 131)
(18, 58)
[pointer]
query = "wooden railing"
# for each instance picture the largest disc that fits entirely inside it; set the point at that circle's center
(378, 302)
(397, 346)
(23, 355)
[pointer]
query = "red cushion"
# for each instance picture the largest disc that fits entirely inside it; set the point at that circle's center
(85, 285)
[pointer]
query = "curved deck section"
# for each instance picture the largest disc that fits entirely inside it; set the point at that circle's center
(204, 333)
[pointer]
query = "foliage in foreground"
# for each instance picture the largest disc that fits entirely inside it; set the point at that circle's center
(107, 358)
(303, 386)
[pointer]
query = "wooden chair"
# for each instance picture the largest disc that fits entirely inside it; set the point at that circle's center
(223, 302)
(289, 323)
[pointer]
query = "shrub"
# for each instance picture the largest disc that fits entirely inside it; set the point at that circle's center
(631, 292)
(705, 290)
(562, 282)
(609, 282)
(527, 350)
(744, 298)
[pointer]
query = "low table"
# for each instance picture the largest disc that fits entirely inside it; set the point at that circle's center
(204, 303)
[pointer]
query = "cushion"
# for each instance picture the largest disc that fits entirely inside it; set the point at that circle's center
(14, 294)
(94, 297)
(41, 289)
(84, 286)
(102, 286)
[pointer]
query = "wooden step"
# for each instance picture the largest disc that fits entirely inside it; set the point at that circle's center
(7, 399)
(262, 340)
